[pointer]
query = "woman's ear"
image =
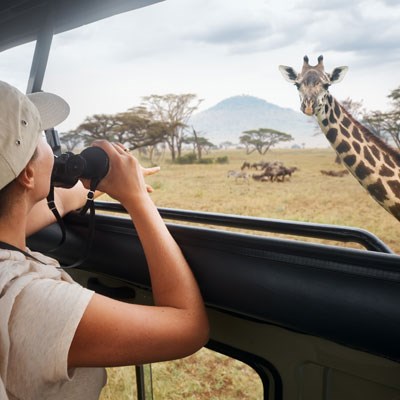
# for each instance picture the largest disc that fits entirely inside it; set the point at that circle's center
(27, 177)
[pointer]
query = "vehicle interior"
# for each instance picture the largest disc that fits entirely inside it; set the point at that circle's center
(314, 321)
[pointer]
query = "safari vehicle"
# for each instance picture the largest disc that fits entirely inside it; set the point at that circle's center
(314, 321)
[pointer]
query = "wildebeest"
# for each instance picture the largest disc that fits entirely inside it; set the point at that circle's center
(335, 173)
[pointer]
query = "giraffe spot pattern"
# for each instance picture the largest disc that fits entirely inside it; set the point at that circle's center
(337, 110)
(332, 135)
(388, 161)
(343, 147)
(395, 210)
(395, 186)
(364, 131)
(344, 131)
(375, 152)
(350, 160)
(362, 171)
(385, 171)
(346, 122)
(368, 157)
(356, 134)
(356, 147)
(371, 153)
(378, 191)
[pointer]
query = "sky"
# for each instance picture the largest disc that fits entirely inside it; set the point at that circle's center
(217, 49)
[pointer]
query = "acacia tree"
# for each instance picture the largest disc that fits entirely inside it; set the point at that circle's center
(155, 152)
(134, 128)
(70, 140)
(393, 126)
(375, 122)
(262, 139)
(138, 129)
(97, 127)
(200, 143)
(386, 125)
(355, 108)
(173, 110)
(226, 145)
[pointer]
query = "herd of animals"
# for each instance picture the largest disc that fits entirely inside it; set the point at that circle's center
(272, 171)
(371, 161)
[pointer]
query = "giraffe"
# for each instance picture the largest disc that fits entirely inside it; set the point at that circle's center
(369, 159)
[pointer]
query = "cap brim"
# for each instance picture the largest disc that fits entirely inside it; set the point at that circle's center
(52, 108)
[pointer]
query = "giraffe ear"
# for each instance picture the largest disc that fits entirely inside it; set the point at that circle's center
(338, 74)
(288, 73)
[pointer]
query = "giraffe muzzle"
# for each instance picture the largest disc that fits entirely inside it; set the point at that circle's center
(308, 108)
(308, 111)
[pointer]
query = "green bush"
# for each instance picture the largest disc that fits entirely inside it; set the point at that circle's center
(222, 160)
(186, 159)
(205, 161)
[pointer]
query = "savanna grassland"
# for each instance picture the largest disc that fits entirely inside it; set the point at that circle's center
(307, 196)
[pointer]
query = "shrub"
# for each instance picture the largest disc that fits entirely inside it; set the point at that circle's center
(186, 159)
(222, 160)
(205, 161)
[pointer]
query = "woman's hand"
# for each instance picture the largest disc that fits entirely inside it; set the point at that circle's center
(125, 178)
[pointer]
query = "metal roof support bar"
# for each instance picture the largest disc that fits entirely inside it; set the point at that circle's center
(40, 57)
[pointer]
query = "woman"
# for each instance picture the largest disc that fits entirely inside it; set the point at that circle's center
(56, 337)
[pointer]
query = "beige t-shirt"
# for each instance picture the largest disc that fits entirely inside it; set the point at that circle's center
(40, 309)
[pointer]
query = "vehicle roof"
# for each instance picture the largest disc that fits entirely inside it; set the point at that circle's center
(22, 20)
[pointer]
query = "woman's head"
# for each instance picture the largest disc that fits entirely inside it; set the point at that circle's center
(23, 118)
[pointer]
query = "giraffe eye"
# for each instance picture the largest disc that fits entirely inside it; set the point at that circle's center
(326, 86)
(297, 84)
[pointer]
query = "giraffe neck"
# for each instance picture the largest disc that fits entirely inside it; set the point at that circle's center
(371, 161)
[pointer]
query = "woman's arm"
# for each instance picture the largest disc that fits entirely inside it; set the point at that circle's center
(66, 200)
(113, 333)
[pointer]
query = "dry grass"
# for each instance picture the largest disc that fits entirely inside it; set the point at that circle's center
(205, 375)
(308, 196)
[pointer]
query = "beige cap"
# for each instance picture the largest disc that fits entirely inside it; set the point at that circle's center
(23, 118)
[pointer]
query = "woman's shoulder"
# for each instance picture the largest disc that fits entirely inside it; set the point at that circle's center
(18, 269)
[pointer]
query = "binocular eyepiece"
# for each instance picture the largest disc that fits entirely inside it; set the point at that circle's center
(91, 163)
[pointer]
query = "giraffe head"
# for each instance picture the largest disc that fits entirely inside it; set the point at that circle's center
(313, 83)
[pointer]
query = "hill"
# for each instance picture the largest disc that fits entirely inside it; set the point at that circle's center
(229, 118)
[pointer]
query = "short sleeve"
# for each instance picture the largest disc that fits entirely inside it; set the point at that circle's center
(43, 322)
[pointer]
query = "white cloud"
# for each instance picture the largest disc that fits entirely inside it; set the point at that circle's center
(217, 49)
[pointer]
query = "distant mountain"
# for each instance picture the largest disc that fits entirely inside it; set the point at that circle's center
(229, 118)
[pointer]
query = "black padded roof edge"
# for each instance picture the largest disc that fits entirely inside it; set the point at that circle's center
(22, 20)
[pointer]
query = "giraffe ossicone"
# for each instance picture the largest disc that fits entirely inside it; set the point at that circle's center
(369, 159)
